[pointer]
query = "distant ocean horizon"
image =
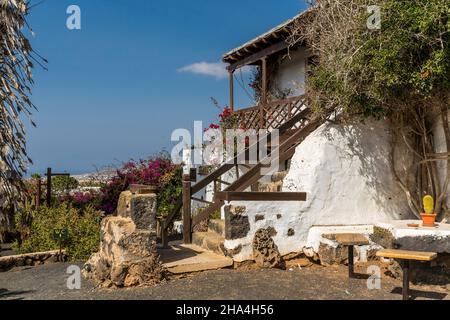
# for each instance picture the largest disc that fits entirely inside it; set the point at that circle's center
(72, 172)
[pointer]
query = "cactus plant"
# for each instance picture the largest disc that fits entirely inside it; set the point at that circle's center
(428, 204)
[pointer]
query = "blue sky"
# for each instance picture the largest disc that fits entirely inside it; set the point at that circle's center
(115, 89)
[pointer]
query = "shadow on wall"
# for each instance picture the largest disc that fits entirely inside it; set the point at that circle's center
(370, 143)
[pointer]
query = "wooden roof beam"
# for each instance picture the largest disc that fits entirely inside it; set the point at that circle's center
(259, 55)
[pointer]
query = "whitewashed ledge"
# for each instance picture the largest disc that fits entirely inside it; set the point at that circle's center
(434, 239)
(30, 259)
(392, 234)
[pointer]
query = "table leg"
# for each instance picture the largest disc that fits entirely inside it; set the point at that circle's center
(406, 280)
(350, 262)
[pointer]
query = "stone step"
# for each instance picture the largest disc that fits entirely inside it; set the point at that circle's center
(210, 241)
(271, 187)
(217, 226)
(181, 258)
(214, 243)
(198, 238)
(279, 176)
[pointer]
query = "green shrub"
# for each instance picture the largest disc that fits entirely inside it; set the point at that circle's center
(83, 230)
(64, 184)
(169, 190)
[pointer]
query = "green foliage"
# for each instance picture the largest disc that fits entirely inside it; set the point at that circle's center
(158, 171)
(64, 184)
(81, 230)
(377, 72)
(398, 72)
(23, 219)
(169, 191)
(36, 176)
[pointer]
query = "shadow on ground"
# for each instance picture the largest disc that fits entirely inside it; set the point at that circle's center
(12, 295)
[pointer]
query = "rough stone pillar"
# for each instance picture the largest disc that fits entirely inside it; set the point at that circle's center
(141, 208)
(128, 255)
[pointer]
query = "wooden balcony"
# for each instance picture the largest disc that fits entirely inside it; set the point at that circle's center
(270, 115)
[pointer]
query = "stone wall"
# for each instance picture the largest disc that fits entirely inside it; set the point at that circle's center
(347, 174)
(31, 259)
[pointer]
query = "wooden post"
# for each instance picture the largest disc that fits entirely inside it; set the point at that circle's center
(187, 219)
(49, 187)
(164, 235)
(38, 192)
(162, 232)
(405, 280)
(350, 262)
(232, 91)
(263, 101)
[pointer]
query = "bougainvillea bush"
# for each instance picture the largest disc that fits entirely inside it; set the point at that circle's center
(81, 199)
(158, 171)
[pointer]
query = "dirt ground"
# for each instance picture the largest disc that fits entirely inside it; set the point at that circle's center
(48, 282)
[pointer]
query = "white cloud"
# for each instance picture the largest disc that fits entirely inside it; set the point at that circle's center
(217, 70)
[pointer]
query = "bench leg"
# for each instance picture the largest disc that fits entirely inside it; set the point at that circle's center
(350, 262)
(405, 290)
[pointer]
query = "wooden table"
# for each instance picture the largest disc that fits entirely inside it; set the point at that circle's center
(351, 240)
(406, 256)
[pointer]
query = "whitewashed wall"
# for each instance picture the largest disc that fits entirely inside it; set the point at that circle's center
(291, 73)
(440, 147)
(347, 174)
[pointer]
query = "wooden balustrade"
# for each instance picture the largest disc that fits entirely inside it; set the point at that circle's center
(271, 115)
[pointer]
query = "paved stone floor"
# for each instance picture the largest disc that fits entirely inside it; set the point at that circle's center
(49, 282)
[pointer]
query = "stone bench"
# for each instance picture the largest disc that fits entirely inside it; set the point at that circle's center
(406, 256)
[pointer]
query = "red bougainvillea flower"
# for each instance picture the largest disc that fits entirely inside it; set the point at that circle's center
(226, 113)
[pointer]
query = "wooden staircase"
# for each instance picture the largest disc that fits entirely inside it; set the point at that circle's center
(294, 122)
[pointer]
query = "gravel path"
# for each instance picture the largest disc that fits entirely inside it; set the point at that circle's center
(48, 282)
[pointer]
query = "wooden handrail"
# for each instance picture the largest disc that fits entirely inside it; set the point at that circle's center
(270, 104)
(211, 177)
(284, 101)
(246, 110)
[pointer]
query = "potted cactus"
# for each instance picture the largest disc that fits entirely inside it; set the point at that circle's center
(429, 217)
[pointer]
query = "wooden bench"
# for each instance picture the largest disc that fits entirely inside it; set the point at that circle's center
(351, 240)
(406, 256)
